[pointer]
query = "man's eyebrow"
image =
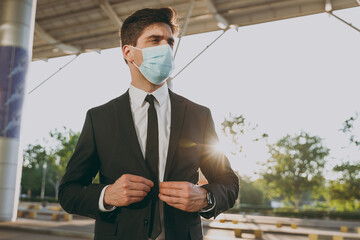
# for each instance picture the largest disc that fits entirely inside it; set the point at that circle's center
(170, 39)
(154, 36)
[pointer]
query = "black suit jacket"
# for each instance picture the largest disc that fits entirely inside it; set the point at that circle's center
(108, 144)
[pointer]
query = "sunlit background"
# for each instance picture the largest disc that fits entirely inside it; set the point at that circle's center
(286, 76)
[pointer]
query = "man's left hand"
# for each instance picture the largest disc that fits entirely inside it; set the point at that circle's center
(183, 195)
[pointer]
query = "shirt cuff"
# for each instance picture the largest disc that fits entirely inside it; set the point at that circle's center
(101, 202)
(208, 210)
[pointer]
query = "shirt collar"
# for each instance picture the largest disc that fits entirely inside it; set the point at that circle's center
(137, 95)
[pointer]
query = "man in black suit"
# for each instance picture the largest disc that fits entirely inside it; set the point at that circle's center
(148, 146)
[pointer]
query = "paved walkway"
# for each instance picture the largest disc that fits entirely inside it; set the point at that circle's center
(75, 229)
(310, 223)
(21, 235)
(82, 228)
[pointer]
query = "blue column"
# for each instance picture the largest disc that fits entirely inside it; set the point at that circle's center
(17, 18)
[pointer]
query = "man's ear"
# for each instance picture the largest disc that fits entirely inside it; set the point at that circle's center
(128, 54)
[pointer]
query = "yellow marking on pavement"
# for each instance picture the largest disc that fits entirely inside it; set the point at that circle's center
(258, 233)
(32, 215)
(68, 217)
(237, 233)
(54, 216)
(293, 225)
(313, 237)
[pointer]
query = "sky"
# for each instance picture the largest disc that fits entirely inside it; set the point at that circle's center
(293, 75)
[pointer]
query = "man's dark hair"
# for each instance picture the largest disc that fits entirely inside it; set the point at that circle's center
(135, 24)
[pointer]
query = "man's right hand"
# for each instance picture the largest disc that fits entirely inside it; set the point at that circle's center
(126, 190)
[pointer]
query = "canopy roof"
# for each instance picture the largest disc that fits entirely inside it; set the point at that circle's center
(75, 26)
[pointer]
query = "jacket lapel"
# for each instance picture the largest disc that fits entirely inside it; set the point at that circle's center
(178, 108)
(126, 123)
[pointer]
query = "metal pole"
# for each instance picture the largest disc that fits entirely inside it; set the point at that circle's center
(184, 29)
(182, 33)
(43, 182)
(342, 20)
(17, 18)
(192, 60)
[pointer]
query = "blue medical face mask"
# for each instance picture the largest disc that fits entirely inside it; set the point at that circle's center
(158, 63)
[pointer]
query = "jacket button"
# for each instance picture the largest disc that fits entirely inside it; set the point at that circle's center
(146, 222)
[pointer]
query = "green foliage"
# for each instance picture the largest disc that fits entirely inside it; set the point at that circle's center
(295, 166)
(250, 192)
(346, 188)
(60, 154)
(344, 191)
(54, 156)
(247, 208)
(351, 128)
(37, 199)
(34, 157)
(318, 214)
(291, 212)
(236, 128)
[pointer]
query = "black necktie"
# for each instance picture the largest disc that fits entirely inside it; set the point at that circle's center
(152, 159)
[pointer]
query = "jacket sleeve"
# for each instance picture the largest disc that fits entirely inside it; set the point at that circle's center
(222, 181)
(77, 193)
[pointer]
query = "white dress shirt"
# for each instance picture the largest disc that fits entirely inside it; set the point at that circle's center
(139, 109)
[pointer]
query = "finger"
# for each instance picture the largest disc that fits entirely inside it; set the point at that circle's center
(172, 200)
(139, 179)
(127, 185)
(135, 193)
(173, 192)
(176, 185)
(139, 186)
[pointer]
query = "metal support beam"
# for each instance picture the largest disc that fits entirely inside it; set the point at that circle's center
(182, 33)
(48, 78)
(187, 19)
(184, 28)
(342, 20)
(221, 21)
(109, 11)
(198, 55)
(66, 48)
(17, 18)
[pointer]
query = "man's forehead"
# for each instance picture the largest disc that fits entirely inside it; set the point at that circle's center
(159, 29)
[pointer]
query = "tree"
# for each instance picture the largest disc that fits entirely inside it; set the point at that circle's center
(295, 166)
(250, 192)
(346, 188)
(239, 131)
(65, 143)
(54, 156)
(237, 128)
(349, 128)
(34, 158)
